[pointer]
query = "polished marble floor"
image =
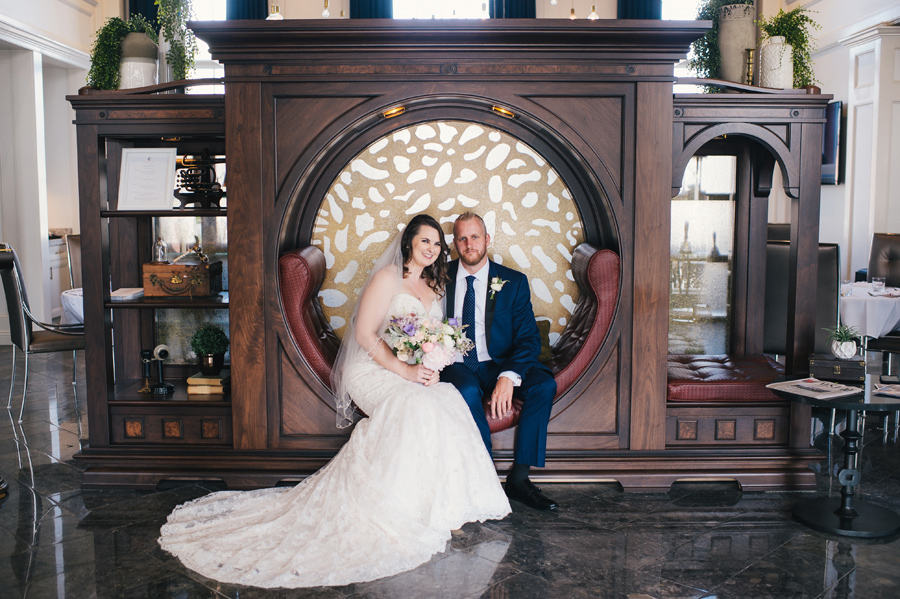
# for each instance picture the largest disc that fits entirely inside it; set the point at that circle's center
(697, 540)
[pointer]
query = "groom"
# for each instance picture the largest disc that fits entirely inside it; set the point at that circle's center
(495, 302)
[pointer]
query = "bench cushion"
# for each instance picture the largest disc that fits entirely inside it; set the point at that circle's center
(721, 378)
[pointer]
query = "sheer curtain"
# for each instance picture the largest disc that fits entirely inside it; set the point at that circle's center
(371, 9)
(513, 9)
(640, 9)
(246, 9)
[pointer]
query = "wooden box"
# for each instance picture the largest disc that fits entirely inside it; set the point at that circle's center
(182, 279)
(829, 368)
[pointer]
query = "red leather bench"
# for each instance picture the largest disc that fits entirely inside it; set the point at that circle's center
(596, 271)
(698, 378)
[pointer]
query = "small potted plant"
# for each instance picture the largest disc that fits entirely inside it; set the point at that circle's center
(792, 29)
(210, 343)
(843, 341)
(106, 53)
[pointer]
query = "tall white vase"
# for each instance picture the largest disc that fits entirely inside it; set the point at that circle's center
(737, 34)
(165, 71)
(776, 66)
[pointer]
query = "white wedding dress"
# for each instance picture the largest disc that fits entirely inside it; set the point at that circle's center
(411, 472)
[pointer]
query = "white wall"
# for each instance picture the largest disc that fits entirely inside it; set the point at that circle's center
(44, 55)
(838, 223)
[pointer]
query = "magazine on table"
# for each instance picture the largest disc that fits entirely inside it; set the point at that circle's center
(889, 390)
(811, 387)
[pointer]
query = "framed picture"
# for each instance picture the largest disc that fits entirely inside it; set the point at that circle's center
(148, 179)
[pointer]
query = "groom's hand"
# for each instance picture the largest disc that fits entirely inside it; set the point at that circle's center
(501, 398)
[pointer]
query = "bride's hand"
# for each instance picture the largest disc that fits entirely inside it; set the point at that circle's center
(417, 373)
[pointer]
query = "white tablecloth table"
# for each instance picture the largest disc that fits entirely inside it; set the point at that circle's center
(870, 315)
(72, 306)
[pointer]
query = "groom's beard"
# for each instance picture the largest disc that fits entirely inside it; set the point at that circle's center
(478, 256)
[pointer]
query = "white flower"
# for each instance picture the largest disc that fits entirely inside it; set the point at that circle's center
(496, 285)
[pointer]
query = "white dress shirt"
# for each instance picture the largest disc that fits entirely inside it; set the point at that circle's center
(480, 285)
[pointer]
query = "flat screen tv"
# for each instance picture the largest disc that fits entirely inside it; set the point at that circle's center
(831, 144)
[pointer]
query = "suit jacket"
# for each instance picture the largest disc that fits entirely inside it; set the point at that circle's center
(512, 334)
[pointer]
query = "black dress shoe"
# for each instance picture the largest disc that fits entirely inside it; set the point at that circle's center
(526, 492)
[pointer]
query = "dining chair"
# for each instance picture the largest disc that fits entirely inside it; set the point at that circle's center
(73, 251)
(31, 339)
(884, 258)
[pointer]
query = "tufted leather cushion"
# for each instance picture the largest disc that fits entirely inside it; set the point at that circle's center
(721, 378)
(596, 272)
(302, 272)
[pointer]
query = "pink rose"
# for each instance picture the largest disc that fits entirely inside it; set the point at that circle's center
(427, 346)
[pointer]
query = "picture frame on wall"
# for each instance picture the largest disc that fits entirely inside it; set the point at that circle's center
(147, 179)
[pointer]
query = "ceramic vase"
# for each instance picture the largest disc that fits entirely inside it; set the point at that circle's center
(138, 67)
(776, 66)
(843, 350)
(211, 364)
(165, 71)
(737, 34)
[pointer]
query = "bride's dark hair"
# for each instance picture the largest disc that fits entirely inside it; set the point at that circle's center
(436, 273)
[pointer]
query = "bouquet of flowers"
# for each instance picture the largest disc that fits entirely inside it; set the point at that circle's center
(427, 341)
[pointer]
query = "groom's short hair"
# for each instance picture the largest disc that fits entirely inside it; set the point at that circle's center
(470, 216)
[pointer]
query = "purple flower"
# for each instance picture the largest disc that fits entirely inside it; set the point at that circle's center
(410, 329)
(453, 322)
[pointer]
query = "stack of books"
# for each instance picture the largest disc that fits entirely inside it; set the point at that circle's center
(208, 386)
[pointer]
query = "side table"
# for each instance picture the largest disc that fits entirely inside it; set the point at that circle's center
(846, 515)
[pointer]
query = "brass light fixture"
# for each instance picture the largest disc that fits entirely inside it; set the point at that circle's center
(325, 12)
(392, 112)
(274, 13)
(593, 16)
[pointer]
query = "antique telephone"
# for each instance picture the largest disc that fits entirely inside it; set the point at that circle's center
(159, 353)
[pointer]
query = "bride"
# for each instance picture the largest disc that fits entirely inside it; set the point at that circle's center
(411, 472)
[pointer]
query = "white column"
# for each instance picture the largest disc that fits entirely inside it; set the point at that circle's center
(23, 171)
(873, 139)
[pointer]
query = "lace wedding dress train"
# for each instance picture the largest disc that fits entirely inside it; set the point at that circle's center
(411, 472)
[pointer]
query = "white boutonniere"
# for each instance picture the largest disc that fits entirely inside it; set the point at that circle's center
(496, 285)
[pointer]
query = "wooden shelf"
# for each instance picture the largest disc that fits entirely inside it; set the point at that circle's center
(163, 213)
(126, 394)
(216, 302)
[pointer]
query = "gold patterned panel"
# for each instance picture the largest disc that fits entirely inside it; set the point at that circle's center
(444, 168)
(764, 430)
(134, 428)
(726, 430)
(172, 429)
(687, 430)
(209, 429)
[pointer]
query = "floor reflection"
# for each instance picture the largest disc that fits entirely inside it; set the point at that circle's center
(697, 540)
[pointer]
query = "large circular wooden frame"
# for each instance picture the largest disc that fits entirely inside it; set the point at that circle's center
(304, 191)
(308, 190)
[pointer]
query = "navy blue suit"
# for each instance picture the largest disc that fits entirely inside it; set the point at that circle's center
(514, 344)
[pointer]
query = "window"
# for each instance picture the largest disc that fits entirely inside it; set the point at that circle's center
(701, 251)
(205, 67)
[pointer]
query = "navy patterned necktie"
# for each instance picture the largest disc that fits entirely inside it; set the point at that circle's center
(471, 358)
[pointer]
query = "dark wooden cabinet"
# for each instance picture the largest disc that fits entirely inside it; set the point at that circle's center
(302, 99)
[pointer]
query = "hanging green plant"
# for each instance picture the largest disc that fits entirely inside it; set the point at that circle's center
(704, 59)
(794, 27)
(106, 53)
(173, 16)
